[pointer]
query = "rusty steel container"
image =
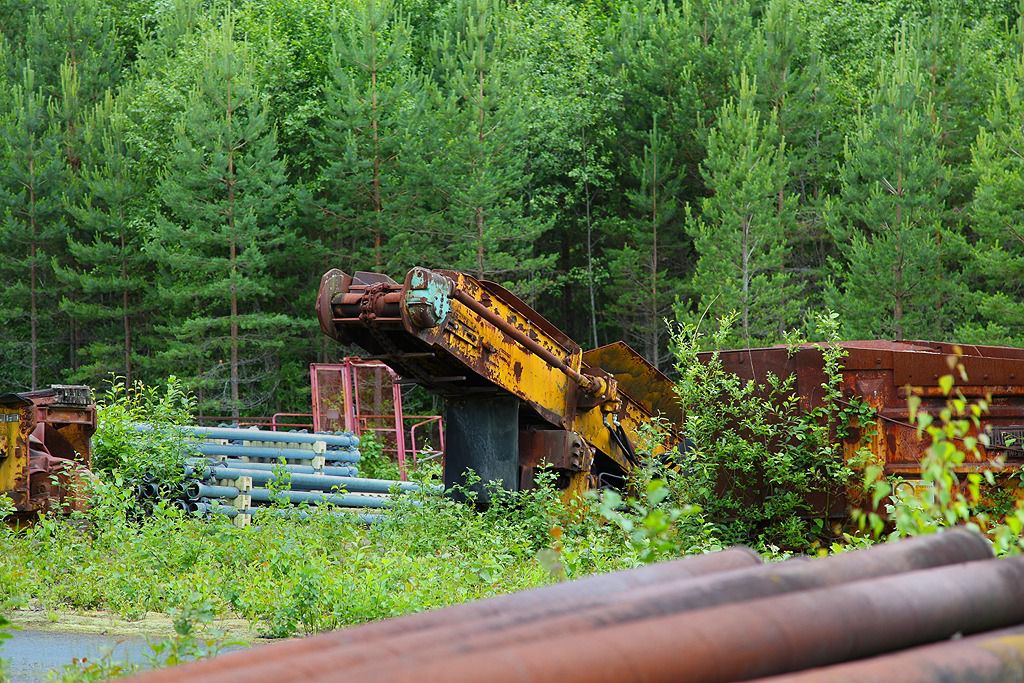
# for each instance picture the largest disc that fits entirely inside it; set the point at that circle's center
(45, 447)
(883, 373)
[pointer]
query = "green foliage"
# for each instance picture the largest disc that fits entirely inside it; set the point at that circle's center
(369, 117)
(753, 454)
(4, 635)
(547, 145)
(107, 280)
(216, 240)
(656, 525)
(32, 232)
(888, 221)
(743, 227)
(373, 462)
(997, 210)
(289, 576)
(119, 449)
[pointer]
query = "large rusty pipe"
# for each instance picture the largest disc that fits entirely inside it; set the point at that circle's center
(755, 638)
(993, 657)
(461, 636)
(547, 600)
(663, 599)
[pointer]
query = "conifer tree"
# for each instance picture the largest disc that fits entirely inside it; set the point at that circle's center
(368, 102)
(997, 217)
(960, 74)
(639, 269)
(31, 180)
(219, 229)
(792, 86)
(791, 83)
(479, 172)
(75, 34)
(742, 229)
(107, 281)
(895, 276)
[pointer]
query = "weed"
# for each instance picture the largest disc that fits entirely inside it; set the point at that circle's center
(754, 456)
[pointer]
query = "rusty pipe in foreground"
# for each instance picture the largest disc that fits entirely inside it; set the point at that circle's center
(754, 638)
(544, 601)
(461, 636)
(993, 657)
(659, 600)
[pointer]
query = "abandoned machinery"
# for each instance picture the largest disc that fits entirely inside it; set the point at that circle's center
(519, 392)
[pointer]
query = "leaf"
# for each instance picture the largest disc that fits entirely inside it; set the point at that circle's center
(946, 384)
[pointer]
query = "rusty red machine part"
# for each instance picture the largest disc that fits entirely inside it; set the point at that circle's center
(45, 447)
(735, 624)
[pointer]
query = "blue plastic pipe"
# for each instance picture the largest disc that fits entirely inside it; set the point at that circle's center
(233, 451)
(239, 434)
(315, 482)
(345, 500)
(269, 466)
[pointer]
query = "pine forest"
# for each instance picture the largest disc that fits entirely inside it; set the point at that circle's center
(176, 175)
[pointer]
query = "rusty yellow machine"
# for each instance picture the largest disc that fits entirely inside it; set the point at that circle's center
(518, 392)
(45, 447)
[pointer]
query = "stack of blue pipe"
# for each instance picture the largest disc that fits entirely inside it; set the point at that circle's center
(336, 482)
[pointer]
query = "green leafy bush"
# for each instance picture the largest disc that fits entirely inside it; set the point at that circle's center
(753, 456)
(128, 454)
(373, 462)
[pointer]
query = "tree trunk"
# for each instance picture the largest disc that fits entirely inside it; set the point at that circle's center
(33, 320)
(655, 339)
(125, 316)
(587, 202)
(479, 212)
(375, 127)
(234, 266)
(745, 256)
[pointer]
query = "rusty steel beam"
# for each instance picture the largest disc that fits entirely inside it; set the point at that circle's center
(755, 638)
(663, 599)
(394, 649)
(993, 657)
(548, 600)
(462, 636)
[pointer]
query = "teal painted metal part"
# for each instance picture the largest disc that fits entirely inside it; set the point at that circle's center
(348, 471)
(347, 500)
(261, 495)
(196, 490)
(428, 298)
(346, 440)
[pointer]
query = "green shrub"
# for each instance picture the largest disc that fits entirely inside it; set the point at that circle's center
(754, 457)
(122, 451)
